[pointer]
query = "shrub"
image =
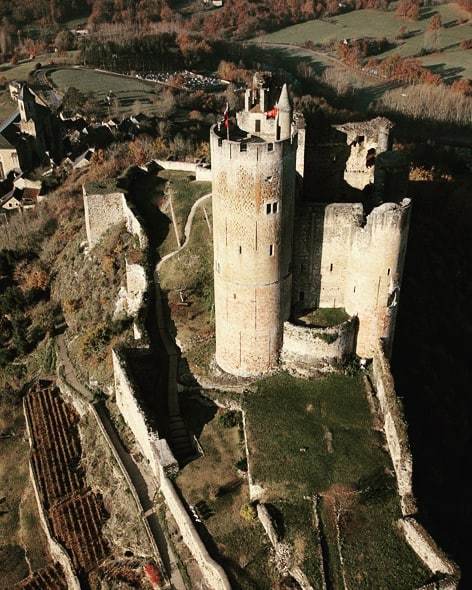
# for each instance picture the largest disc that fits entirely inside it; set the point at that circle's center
(241, 464)
(229, 419)
(248, 512)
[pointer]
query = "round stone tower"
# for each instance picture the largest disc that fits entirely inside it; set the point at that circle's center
(254, 175)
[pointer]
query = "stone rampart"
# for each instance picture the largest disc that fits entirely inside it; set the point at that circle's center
(308, 348)
(102, 211)
(136, 286)
(395, 429)
(154, 449)
(213, 573)
(343, 258)
(177, 165)
(425, 547)
(134, 225)
(203, 173)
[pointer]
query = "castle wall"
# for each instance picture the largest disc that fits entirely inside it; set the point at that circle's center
(213, 573)
(252, 250)
(306, 348)
(154, 449)
(343, 260)
(102, 211)
(395, 429)
(375, 273)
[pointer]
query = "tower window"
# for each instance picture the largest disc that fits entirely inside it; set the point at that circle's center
(258, 125)
(268, 208)
(234, 295)
(301, 297)
(331, 267)
(370, 158)
(354, 290)
(271, 250)
(270, 147)
(220, 142)
(243, 147)
(274, 208)
(388, 272)
(217, 267)
(240, 249)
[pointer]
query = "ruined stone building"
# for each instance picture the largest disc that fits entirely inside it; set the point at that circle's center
(280, 250)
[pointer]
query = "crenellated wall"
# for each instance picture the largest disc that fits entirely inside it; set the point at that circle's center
(344, 259)
(253, 210)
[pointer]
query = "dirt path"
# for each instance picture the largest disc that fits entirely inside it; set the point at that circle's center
(187, 230)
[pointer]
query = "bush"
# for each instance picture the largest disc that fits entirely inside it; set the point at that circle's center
(241, 464)
(229, 419)
(248, 512)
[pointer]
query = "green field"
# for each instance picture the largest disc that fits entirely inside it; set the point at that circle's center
(129, 91)
(317, 437)
(450, 61)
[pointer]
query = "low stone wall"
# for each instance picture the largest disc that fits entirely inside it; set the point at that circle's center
(155, 450)
(176, 165)
(395, 429)
(203, 173)
(425, 547)
(396, 435)
(306, 348)
(213, 573)
(58, 553)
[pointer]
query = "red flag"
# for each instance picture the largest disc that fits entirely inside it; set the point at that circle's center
(226, 116)
(272, 114)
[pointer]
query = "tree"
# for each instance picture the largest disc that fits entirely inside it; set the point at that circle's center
(409, 9)
(432, 33)
(73, 100)
(64, 41)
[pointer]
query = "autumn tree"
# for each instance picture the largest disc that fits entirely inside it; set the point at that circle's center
(409, 9)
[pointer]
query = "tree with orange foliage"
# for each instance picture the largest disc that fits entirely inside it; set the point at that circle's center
(409, 9)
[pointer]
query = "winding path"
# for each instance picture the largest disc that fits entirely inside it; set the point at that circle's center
(187, 230)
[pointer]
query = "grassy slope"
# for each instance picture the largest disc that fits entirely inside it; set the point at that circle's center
(287, 414)
(377, 23)
(20, 528)
(127, 90)
(242, 544)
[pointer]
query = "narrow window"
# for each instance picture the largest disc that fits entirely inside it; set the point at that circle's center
(243, 147)
(302, 268)
(268, 208)
(274, 208)
(240, 249)
(331, 267)
(234, 295)
(270, 147)
(354, 289)
(302, 296)
(388, 272)
(370, 158)
(258, 125)
(217, 267)
(271, 250)
(220, 142)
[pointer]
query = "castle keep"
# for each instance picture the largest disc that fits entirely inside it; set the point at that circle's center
(342, 255)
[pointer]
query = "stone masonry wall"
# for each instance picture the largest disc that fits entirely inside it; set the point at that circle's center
(213, 573)
(306, 348)
(342, 259)
(9, 161)
(155, 450)
(102, 211)
(395, 429)
(397, 440)
(253, 207)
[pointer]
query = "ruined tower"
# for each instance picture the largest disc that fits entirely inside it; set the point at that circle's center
(254, 180)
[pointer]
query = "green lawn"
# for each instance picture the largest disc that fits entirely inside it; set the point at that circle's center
(242, 547)
(316, 437)
(326, 317)
(378, 23)
(129, 91)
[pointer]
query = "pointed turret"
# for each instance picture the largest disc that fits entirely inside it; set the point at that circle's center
(283, 103)
(284, 114)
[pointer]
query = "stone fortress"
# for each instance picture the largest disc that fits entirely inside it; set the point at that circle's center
(281, 249)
